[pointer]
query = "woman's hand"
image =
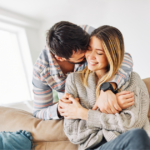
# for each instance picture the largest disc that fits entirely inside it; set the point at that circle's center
(71, 111)
(125, 99)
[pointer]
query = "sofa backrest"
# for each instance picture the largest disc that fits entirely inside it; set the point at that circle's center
(147, 82)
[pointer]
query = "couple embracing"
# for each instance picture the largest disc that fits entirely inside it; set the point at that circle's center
(104, 104)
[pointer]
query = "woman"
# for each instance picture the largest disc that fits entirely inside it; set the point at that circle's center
(94, 129)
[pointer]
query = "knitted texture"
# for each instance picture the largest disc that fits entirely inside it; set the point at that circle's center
(89, 133)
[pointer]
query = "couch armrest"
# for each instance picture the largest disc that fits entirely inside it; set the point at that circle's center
(12, 119)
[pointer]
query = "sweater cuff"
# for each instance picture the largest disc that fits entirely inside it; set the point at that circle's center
(93, 119)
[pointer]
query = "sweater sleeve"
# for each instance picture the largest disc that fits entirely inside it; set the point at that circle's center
(76, 129)
(133, 117)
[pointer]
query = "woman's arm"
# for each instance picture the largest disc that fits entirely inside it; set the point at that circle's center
(75, 129)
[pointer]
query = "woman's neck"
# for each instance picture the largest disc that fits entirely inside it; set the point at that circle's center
(100, 73)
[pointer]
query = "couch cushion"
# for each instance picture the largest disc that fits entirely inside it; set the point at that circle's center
(12, 119)
(59, 145)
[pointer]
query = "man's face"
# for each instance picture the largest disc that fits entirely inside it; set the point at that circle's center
(77, 58)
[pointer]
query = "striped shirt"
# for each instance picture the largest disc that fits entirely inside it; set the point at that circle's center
(48, 76)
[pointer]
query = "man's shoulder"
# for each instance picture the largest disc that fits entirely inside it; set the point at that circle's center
(43, 61)
(87, 28)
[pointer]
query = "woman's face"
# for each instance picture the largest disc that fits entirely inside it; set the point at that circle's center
(95, 55)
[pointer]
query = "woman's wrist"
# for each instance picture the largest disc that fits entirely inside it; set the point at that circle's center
(83, 113)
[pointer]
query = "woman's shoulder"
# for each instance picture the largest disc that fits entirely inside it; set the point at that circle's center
(75, 76)
(135, 81)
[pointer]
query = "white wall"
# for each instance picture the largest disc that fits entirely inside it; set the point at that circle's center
(132, 17)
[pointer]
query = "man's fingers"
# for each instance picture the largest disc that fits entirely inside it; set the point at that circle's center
(129, 100)
(129, 104)
(129, 95)
(124, 93)
(94, 107)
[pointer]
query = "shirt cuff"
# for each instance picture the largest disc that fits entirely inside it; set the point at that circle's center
(118, 80)
(55, 112)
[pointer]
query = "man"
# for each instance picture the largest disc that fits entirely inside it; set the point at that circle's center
(65, 53)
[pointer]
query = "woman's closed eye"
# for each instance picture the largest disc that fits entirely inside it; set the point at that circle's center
(100, 53)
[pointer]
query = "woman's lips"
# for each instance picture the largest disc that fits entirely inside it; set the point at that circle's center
(93, 63)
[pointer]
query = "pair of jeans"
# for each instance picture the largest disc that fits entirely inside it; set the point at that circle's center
(19, 140)
(135, 139)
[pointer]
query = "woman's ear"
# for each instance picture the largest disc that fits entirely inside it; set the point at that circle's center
(60, 58)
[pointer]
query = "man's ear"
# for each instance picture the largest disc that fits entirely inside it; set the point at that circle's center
(60, 58)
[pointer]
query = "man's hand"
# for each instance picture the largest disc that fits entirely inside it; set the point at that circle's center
(125, 99)
(70, 111)
(107, 103)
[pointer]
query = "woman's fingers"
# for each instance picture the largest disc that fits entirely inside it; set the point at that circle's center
(77, 99)
(114, 110)
(95, 107)
(66, 95)
(66, 100)
(104, 111)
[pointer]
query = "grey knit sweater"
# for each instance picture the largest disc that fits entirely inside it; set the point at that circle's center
(89, 133)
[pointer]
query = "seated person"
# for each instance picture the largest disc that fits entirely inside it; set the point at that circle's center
(93, 129)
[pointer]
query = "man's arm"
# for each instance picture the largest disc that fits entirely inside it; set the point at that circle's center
(123, 74)
(44, 108)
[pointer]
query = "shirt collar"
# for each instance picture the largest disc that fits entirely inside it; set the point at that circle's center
(54, 66)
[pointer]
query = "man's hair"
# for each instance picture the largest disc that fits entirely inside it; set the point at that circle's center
(64, 37)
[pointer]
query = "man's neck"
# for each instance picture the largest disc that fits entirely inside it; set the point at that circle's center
(65, 66)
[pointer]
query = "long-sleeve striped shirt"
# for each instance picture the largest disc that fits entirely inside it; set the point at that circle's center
(48, 76)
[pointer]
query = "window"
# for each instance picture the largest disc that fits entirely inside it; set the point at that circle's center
(14, 74)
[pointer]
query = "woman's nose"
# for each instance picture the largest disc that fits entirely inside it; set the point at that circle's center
(91, 55)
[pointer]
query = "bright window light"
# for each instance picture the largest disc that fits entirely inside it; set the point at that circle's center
(13, 79)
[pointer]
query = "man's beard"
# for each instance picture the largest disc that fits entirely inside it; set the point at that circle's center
(83, 61)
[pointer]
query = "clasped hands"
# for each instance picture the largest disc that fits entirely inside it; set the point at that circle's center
(107, 102)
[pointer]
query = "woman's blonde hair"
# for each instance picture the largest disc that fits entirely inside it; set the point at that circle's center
(113, 45)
